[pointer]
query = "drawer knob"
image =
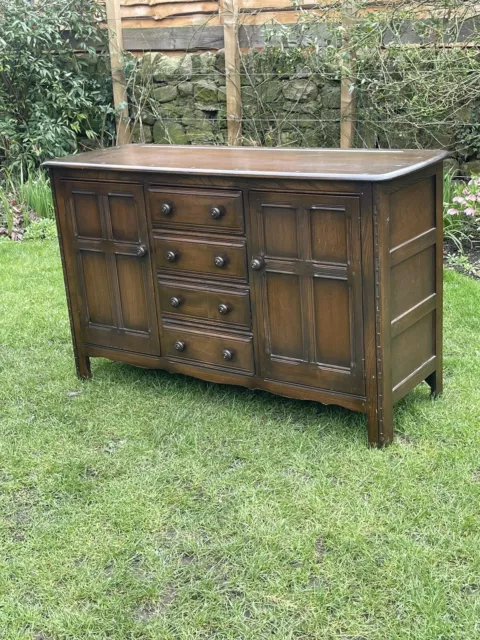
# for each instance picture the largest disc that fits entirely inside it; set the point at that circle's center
(142, 251)
(175, 301)
(223, 309)
(256, 264)
(166, 209)
(179, 345)
(216, 212)
(220, 261)
(227, 354)
(171, 256)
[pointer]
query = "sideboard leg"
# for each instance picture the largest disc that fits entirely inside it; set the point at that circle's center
(435, 380)
(82, 363)
(380, 424)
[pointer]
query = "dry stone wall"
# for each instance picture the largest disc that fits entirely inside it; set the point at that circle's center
(182, 100)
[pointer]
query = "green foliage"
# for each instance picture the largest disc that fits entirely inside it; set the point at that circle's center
(452, 225)
(468, 136)
(6, 210)
(461, 218)
(55, 86)
(284, 93)
(43, 229)
(415, 67)
(460, 262)
(415, 97)
(27, 206)
(36, 193)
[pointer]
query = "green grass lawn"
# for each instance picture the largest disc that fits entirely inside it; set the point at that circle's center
(145, 505)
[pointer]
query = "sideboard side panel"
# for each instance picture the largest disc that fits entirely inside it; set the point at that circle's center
(414, 233)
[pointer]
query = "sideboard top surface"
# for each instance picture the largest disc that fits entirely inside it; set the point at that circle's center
(366, 165)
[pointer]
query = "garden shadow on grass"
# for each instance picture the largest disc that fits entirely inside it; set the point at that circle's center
(259, 405)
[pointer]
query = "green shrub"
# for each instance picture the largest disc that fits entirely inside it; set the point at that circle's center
(461, 219)
(6, 210)
(43, 229)
(36, 193)
(55, 86)
(414, 66)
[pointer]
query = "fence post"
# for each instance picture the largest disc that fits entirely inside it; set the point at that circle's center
(348, 98)
(232, 70)
(115, 42)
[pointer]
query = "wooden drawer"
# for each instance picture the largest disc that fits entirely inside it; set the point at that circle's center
(198, 254)
(207, 302)
(212, 210)
(214, 349)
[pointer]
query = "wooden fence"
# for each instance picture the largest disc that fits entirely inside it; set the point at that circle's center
(177, 26)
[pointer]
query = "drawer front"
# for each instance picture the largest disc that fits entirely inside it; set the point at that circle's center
(200, 208)
(222, 305)
(222, 259)
(222, 350)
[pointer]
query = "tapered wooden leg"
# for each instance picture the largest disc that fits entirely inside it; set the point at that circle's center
(82, 363)
(435, 380)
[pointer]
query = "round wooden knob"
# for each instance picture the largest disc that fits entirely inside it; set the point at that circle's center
(171, 256)
(220, 261)
(256, 264)
(223, 309)
(179, 345)
(216, 212)
(227, 354)
(175, 301)
(166, 209)
(142, 251)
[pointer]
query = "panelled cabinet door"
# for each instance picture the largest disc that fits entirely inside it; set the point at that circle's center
(108, 225)
(306, 262)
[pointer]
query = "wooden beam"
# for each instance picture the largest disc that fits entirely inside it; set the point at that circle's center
(173, 38)
(159, 12)
(115, 41)
(229, 15)
(348, 98)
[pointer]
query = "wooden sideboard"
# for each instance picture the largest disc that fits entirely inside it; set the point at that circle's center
(314, 274)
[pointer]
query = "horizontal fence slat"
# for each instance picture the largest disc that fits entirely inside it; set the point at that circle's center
(173, 38)
(198, 38)
(206, 13)
(170, 9)
(196, 20)
(125, 4)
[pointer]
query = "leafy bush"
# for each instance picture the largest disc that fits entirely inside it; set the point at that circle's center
(36, 193)
(24, 203)
(461, 210)
(415, 67)
(43, 229)
(55, 86)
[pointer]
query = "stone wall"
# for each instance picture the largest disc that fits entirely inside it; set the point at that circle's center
(288, 100)
(182, 100)
(290, 97)
(179, 100)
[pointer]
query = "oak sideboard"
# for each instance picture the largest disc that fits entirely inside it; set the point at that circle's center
(311, 273)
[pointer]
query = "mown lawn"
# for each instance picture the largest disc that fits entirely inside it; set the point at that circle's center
(144, 505)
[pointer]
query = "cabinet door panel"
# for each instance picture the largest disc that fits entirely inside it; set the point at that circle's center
(307, 294)
(332, 322)
(283, 301)
(280, 225)
(133, 297)
(329, 235)
(94, 269)
(123, 214)
(107, 225)
(86, 214)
